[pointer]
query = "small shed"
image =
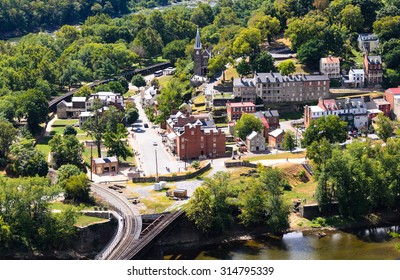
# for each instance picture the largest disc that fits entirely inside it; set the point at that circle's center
(105, 165)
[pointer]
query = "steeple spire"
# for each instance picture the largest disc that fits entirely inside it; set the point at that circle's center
(197, 43)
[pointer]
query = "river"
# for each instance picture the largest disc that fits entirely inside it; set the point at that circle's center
(365, 244)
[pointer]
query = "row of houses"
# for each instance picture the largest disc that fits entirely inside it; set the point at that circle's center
(356, 112)
(80, 107)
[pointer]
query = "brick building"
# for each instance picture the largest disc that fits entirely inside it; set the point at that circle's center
(373, 70)
(269, 119)
(381, 104)
(193, 137)
(275, 88)
(237, 109)
(389, 96)
(105, 165)
(275, 138)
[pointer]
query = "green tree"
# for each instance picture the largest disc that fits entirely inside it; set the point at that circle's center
(247, 42)
(329, 127)
(34, 106)
(70, 130)
(27, 219)
(174, 50)
(202, 15)
(387, 28)
(8, 134)
(262, 204)
(169, 99)
(216, 64)
(77, 188)
(84, 91)
(96, 126)
(209, 208)
(287, 67)
(352, 18)
(65, 172)
(384, 127)
(311, 52)
(319, 152)
(117, 145)
(66, 150)
(243, 68)
(138, 81)
(131, 115)
(150, 40)
(247, 124)
(26, 160)
(263, 63)
(268, 25)
(289, 141)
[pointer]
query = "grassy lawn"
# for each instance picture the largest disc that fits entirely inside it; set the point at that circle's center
(302, 191)
(201, 99)
(358, 57)
(84, 221)
(83, 137)
(287, 116)
(231, 73)
(59, 125)
(43, 145)
(275, 156)
(157, 203)
(163, 80)
(302, 69)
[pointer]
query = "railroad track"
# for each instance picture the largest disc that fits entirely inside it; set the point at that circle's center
(130, 225)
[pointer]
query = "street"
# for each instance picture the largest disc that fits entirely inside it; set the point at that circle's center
(152, 158)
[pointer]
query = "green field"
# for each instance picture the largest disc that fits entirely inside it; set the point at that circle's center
(275, 156)
(43, 145)
(164, 80)
(84, 221)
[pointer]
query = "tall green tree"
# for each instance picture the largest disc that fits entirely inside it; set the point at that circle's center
(247, 124)
(66, 150)
(243, 68)
(263, 63)
(384, 127)
(209, 208)
(289, 141)
(8, 134)
(287, 67)
(77, 188)
(329, 127)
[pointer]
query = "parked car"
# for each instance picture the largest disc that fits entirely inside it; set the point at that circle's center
(146, 125)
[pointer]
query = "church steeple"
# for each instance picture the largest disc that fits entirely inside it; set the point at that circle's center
(197, 43)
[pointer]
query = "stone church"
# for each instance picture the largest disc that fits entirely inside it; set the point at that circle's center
(201, 57)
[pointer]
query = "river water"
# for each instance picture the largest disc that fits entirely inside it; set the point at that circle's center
(365, 244)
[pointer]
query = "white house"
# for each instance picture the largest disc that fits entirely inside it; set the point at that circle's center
(356, 78)
(255, 142)
(107, 98)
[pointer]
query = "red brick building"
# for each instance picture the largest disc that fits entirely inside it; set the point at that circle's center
(275, 138)
(237, 109)
(269, 119)
(373, 69)
(192, 137)
(383, 105)
(389, 96)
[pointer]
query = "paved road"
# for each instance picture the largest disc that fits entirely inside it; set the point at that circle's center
(149, 145)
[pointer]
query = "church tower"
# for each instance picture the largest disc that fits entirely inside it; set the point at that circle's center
(198, 55)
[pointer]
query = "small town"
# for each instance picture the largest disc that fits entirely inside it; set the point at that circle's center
(200, 130)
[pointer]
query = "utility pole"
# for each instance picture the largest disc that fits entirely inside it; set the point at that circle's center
(155, 151)
(91, 162)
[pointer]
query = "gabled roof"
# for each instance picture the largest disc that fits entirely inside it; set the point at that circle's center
(394, 90)
(330, 59)
(105, 160)
(252, 135)
(276, 132)
(367, 37)
(240, 104)
(376, 59)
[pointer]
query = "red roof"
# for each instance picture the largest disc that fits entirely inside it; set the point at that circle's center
(264, 122)
(394, 90)
(241, 104)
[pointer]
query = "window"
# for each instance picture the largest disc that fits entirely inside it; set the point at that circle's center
(183, 147)
(202, 145)
(215, 145)
(214, 151)
(215, 139)
(202, 138)
(192, 132)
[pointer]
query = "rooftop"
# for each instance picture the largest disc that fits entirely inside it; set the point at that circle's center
(276, 132)
(105, 160)
(330, 59)
(394, 90)
(376, 59)
(368, 37)
(240, 104)
(78, 99)
(252, 135)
